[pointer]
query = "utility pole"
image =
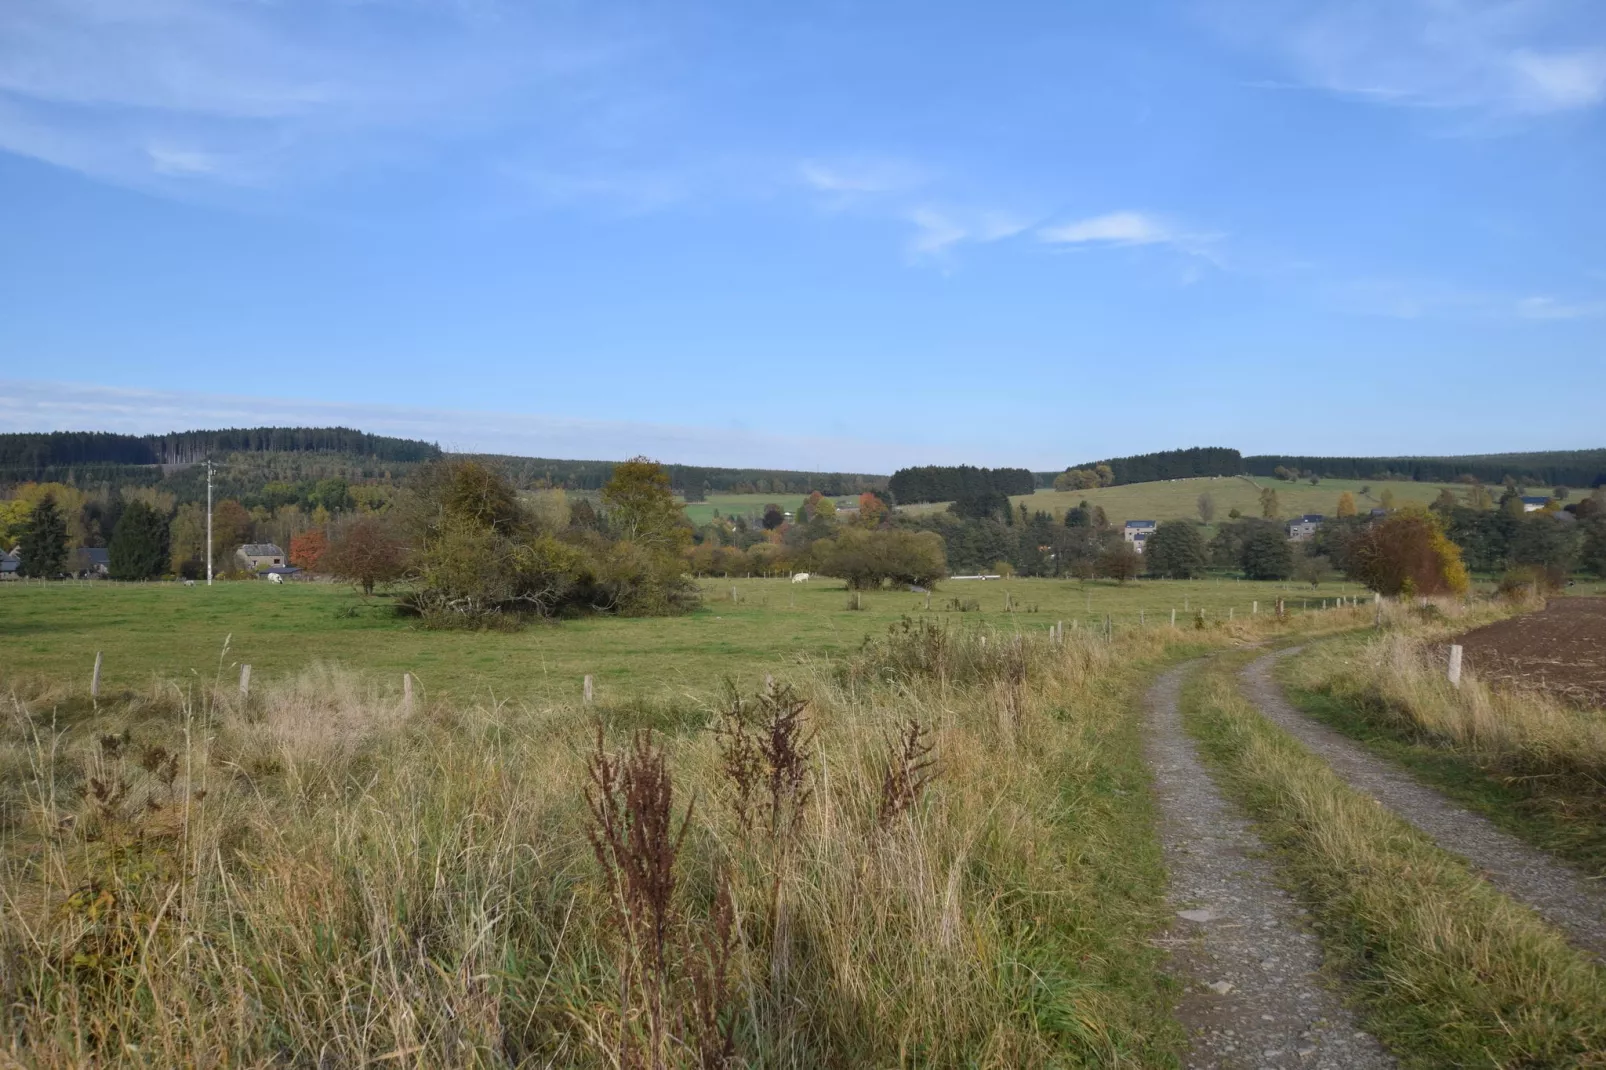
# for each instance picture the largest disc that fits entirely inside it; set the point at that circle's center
(209, 523)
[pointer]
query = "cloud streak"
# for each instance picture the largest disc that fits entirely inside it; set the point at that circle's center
(1505, 59)
(29, 405)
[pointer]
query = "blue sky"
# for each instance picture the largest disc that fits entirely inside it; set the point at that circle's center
(843, 235)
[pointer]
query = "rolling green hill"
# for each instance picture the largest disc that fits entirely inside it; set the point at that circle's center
(1179, 498)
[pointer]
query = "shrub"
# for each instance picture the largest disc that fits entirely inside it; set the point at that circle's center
(868, 558)
(1407, 553)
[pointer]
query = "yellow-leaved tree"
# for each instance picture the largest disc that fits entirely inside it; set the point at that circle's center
(1408, 554)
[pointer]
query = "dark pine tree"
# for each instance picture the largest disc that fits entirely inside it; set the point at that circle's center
(139, 544)
(44, 540)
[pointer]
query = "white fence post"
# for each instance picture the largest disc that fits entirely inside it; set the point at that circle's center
(1254, 608)
(1173, 616)
(407, 691)
(1455, 665)
(589, 690)
(245, 681)
(94, 679)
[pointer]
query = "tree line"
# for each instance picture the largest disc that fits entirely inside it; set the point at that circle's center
(27, 455)
(946, 483)
(1152, 467)
(1572, 468)
(693, 482)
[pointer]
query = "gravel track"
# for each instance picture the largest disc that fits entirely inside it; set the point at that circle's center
(1560, 894)
(1254, 995)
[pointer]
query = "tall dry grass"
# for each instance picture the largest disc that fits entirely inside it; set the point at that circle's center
(1399, 677)
(964, 871)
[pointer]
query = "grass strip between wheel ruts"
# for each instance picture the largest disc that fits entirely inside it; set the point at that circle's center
(1446, 970)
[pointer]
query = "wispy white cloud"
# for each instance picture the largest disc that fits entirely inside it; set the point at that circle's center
(1133, 228)
(861, 175)
(1116, 228)
(168, 92)
(938, 231)
(1499, 58)
(1553, 308)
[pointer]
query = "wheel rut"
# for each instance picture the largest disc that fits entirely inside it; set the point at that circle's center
(1559, 893)
(1254, 996)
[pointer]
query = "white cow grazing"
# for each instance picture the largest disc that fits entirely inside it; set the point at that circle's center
(800, 577)
(274, 577)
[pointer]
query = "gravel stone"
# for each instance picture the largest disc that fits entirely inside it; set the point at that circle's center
(1277, 1005)
(1559, 893)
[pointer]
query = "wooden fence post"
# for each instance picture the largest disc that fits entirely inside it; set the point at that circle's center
(94, 679)
(1455, 665)
(1173, 616)
(589, 691)
(407, 691)
(245, 681)
(1254, 608)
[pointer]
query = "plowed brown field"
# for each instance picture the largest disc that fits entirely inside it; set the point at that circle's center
(1560, 649)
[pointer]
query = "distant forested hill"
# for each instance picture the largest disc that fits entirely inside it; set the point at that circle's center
(691, 480)
(1573, 468)
(37, 455)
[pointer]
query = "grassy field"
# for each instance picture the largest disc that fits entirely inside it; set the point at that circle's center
(748, 505)
(165, 631)
(948, 860)
(1179, 498)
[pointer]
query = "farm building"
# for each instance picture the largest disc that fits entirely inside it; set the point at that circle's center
(1137, 532)
(10, 563)
(1304, 527)
(89, 562)
(257, 556)
(1532, 504)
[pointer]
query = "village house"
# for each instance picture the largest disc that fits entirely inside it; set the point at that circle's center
(259, 556)
(10, 564)
(1302, 528)
(1531, 504)
(90, 562)
(1137, 532)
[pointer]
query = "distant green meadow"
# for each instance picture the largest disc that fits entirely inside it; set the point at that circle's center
(154, 632)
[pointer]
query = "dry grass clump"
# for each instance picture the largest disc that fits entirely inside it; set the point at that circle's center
(948, 864)
(1399, 678)
(1450, 972)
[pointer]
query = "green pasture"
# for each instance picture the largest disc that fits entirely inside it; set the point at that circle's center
(749, 505)
(166, 631)
(1169, 500)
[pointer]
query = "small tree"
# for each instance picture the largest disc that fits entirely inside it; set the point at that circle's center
(139, 544)
(1346, 505)
(867, 558)
(872, 510)
(44, 540)
(366, 554)
(641, 507)
(1268, 503)
(1559, 493)
(774, 516)
(1207, 507)
(1386, 499)
(308, 548)
(1121, 562)
(1407, 553)
(1175, 550)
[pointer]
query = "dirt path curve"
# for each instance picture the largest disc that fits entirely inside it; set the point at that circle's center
(1559, 893)
(1254, 996)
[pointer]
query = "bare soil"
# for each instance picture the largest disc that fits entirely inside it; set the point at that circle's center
(1560, 649)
